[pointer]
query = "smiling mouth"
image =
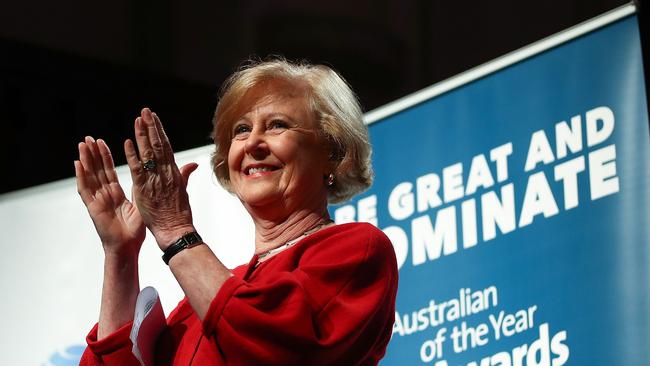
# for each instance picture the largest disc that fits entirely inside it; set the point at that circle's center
(259, 169)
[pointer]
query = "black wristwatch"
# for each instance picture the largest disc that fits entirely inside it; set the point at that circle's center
(188, 240)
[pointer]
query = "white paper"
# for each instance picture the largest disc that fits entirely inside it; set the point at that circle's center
(148, 322)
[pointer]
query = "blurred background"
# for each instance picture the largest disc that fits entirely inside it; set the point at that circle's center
(74, 68)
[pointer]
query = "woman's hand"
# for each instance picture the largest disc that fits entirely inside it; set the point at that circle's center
(159, 190)
(116, 220)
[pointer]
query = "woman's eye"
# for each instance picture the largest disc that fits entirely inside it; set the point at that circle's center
(241, 129)
(278, 124)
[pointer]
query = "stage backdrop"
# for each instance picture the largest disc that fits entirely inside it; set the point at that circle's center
(516, 196)
(518, 208)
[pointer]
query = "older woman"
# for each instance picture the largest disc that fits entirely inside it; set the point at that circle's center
(289, 138)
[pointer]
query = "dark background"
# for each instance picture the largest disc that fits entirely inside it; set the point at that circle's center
(75, 68)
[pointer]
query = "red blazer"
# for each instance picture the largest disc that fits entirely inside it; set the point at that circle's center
(328, 300)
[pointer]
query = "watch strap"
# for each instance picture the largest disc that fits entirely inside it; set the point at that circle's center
(188, 240)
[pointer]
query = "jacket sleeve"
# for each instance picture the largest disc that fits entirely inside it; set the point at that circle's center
(336, 307)
(114, 349)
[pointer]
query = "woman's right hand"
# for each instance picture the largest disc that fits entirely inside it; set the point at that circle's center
(116, 219)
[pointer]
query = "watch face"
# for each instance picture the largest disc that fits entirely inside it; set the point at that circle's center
(186, 241)
(192, 238)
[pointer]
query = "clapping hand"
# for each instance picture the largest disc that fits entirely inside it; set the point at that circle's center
(117, 220)
(159, 186)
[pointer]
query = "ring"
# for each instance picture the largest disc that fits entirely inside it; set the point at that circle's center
(149, 165)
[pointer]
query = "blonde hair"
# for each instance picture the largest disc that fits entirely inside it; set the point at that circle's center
(334, 104)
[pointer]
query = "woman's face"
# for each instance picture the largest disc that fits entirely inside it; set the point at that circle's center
(276, 156)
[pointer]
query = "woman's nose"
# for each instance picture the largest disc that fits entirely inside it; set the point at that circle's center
(256, 145)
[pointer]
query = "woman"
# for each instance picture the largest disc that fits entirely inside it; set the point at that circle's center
(289, 137)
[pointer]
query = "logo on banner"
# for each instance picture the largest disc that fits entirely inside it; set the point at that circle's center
(70, 356)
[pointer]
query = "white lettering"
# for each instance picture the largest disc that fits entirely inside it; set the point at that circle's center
(468, 212)
(431, 243)
(401, 202)
(367, 207)
(497, 212)
(344, 214)
(427, 188)
(452, 181)
(500, 156)
(602, 172)
(537, 199)
(597, 135)
(479, 175)
(570, 137)
(539, 151)
(567, 172)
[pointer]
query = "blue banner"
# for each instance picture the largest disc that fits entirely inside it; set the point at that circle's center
(518, 208)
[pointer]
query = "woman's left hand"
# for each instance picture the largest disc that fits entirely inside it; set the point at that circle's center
(159, 188)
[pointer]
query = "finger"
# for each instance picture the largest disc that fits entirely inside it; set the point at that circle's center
(152, 133)
(142, 140)
(166, 145)
(186, 170)
(98, 165)
(135, 166)
(107, 159)
(88, 165)
(82, 187)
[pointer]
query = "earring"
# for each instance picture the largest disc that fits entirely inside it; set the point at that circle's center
(330, 180)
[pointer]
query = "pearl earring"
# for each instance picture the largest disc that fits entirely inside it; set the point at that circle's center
(330, 180)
